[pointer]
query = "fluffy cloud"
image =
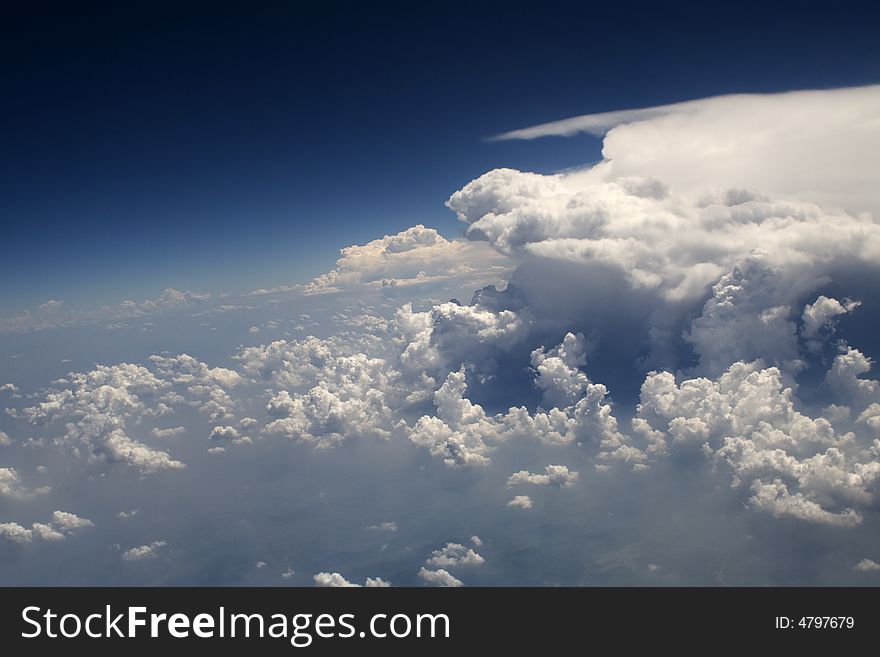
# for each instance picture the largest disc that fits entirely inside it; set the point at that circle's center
(70, 521)
(793, 465)
(415, 256)
(820, 315)
(867, 565)
(556, 475)
(61, 525)
(335, 580)
(454, 554)
(15, 533)
(521, 502)
(96, 407)
(143, 552)
(675, 244)
(439, 577)
(11, 486)
(376, 583)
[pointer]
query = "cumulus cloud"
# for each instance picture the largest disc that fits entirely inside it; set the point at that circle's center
(70, 521)
(60, 526)
(794, 465)
(521, 502)
(556, 475)
(867, 565)
(454, 554)
(819, 316)
(96, 407)
(415, 256)
(439, 577)
(15, 533)
(674, 244)
(12, 486)
(143, 552)
(336, 580)
(376, 583)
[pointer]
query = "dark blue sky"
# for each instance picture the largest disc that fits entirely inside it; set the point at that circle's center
(231, 148)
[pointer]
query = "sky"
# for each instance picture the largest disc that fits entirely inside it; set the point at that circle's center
(480, 294)
(142, 146)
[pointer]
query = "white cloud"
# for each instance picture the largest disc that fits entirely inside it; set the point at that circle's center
(820, 314)
(333, 580)
(143, 552)
(96, 406)
(46, 532)
(521, 502)
(169, 432)
(793, 464)
(867, 565)
(15, 533)
(439, 577)
(670, 243)
(476, 541)
(11, 486)
(454, 554)
(415, 256)
(771, 142)
(376, 583)
(60, 526)
(556, 475)
(70, 521)
(225, 433)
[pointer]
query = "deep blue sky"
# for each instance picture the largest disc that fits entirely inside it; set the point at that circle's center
(227, 149)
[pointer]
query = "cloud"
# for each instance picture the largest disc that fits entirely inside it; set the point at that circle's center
(376, 583)
(765, 141)
(415, 256)
(96, 407)
(170, 432)
(70, 521)
(819, 316)
(52, 314)
(11, 486)
(46, 532)
(671, 243)
(454, 554)
(336, 580)
(521, 502)
(794, 465)
(61, 525)
(15, 533)
(385, 526)
(143, 552)
(867, 565)
(556, 475)
(439, 577)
